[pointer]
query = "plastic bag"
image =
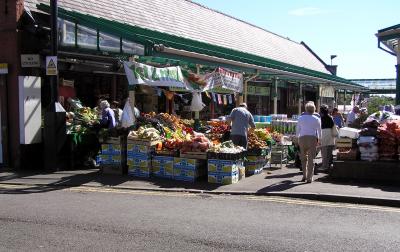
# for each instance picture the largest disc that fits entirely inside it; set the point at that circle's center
(128, 119)
(197, 104)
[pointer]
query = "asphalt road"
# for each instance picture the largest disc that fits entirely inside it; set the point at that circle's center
(89, 219)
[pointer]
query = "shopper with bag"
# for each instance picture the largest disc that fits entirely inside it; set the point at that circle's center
(329, 134)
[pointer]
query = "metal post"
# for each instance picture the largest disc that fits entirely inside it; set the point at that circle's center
(300, 100)
(344, 100)
(398, 74)
(54, 120)
(54, 52)
(318, 97)
(276, 95)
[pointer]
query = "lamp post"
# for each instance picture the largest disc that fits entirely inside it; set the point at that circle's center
(332, 57)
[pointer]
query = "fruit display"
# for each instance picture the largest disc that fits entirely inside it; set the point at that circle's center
(219, 127)
(170, 121)
(146, 133)
(263, 134)
(198, 143)
(84, 115)
(254, 142)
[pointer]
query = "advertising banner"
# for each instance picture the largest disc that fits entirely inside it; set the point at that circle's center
(142, 74)
(225, 79)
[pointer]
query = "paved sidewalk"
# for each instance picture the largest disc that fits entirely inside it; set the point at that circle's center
(280, 182)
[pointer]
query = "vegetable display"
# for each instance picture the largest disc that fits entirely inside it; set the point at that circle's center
(147, 133)
(254, 142)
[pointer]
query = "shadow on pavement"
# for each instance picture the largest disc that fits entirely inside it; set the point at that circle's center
(28, 179)
(280, 186)
(385, 186)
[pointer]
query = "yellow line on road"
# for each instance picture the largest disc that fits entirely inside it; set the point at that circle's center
(273, 199)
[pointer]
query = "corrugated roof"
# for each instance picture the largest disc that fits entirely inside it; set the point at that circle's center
(193, 21)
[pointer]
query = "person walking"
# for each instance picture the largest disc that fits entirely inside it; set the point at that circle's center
(241, 120)
(352, 116)
(329, 134)
(337, 118)
(308, 132)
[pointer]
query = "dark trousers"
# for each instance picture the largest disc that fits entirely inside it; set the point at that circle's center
(239, 140)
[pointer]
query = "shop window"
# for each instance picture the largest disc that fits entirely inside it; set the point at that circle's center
(109, 43)
(87, 38)
(67, 32)
(132, 48)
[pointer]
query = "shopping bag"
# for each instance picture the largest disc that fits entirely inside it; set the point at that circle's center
(128, 119)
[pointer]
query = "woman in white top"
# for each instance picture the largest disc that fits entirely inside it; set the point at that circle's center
(308, 131)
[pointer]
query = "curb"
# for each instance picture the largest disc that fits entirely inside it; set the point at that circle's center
(338, 198)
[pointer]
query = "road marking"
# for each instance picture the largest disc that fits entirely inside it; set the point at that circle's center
(274, 199)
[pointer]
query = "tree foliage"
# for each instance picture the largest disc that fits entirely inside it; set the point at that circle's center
(375, 102)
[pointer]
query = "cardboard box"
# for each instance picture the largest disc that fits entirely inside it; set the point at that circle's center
(188, 163)
(103, 159)
(138, 161)
(137, 171)
(111, 149)
(185, 174)
(162, 166)
(133, 149)
(218, 178)
(226, 167)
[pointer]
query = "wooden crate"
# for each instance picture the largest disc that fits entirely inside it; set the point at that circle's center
(144, 142)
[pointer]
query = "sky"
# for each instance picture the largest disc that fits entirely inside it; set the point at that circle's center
(337, 27)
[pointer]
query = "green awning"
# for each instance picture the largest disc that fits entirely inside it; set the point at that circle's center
(151, 38)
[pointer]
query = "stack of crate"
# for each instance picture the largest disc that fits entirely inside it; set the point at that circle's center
(139, 159)
(162, 166)
(110, 158)
(224, 171)
(188, 169)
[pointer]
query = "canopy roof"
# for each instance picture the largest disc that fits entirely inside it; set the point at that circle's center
(185, 26)
(390, 38)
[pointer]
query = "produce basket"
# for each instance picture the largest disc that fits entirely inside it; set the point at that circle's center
(257, 152)
(351, 154)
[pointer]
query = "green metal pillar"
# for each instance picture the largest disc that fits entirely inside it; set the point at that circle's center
(398, 83)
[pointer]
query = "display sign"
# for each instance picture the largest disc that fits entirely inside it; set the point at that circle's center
(51, 65)
(30, 60)
(257, 90)
(225, 79)
(263, 91)
(142, 74)
(251, 90)
(3, 68)
(30, 109)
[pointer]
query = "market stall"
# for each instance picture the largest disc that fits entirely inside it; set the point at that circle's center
(371, 152)
(167, 146)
